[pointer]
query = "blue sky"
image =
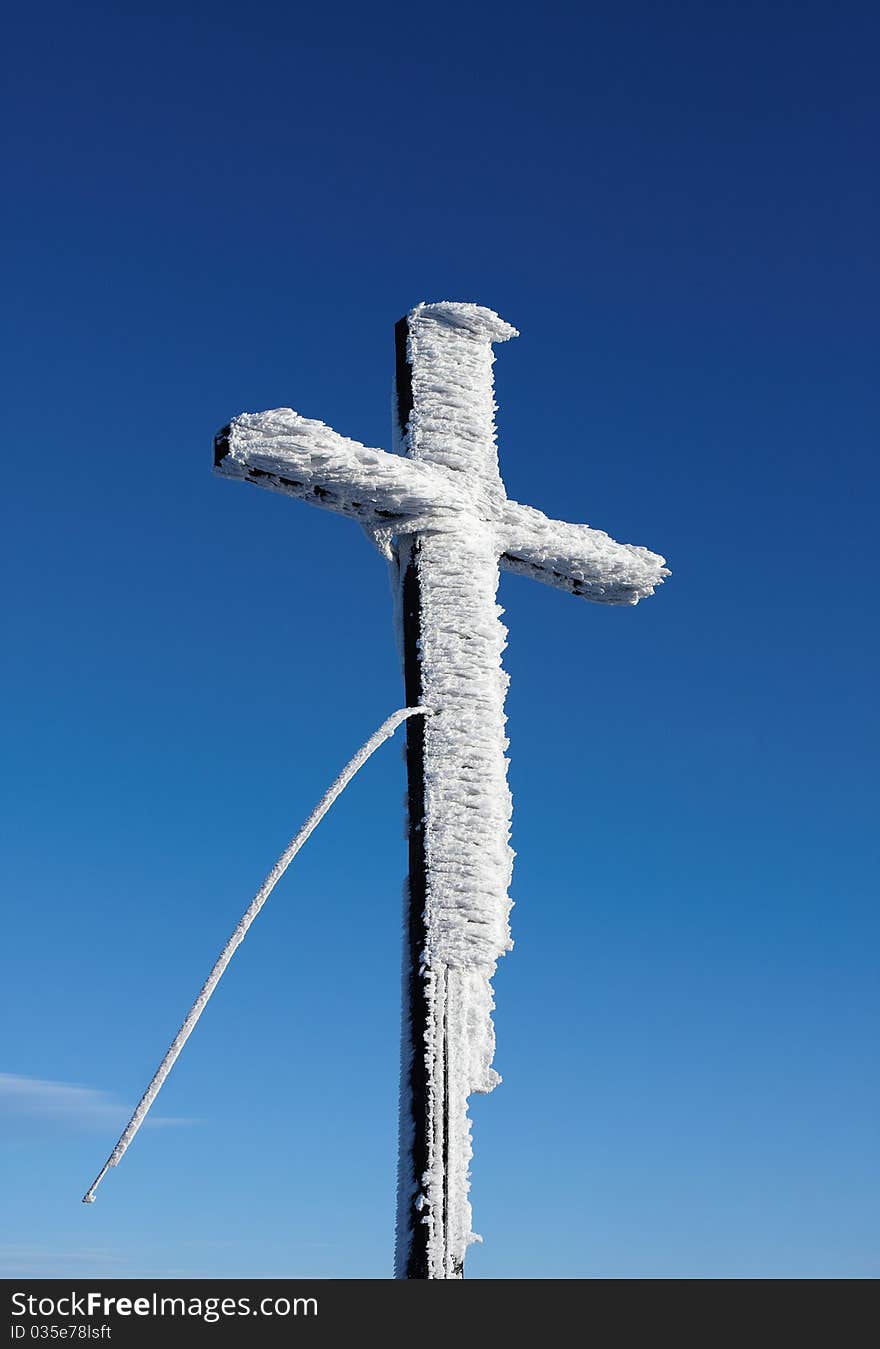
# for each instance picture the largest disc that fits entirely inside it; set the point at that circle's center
(225, 208)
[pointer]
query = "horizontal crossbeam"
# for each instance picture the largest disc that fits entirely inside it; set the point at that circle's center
(386, 492)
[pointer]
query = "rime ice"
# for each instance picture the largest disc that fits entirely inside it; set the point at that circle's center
(437, 509)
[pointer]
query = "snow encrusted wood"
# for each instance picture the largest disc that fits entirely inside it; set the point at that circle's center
(393, 497)
(438, 510)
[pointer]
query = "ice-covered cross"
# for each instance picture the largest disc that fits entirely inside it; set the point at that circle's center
(438, 511)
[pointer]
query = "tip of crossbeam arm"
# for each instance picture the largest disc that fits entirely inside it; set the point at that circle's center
(221, 445)
(628, 587)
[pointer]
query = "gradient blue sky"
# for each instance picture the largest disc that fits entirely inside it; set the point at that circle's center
(219, 208)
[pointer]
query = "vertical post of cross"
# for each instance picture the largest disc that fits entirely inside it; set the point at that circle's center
(455, 925)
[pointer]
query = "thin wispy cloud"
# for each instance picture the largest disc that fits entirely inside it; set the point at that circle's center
(36, 1098)
(44, 1262)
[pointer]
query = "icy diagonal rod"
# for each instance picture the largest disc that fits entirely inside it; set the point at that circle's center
(384, 732)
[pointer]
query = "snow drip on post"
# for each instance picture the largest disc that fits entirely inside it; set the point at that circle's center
(460, 807)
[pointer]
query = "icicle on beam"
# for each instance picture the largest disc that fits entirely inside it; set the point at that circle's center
(439, 513)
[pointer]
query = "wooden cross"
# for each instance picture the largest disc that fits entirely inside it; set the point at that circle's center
(438, 511)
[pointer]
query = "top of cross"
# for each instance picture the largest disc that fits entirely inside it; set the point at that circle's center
(474, 319)
(447, 470)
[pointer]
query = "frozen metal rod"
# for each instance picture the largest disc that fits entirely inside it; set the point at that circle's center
(385, 731)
